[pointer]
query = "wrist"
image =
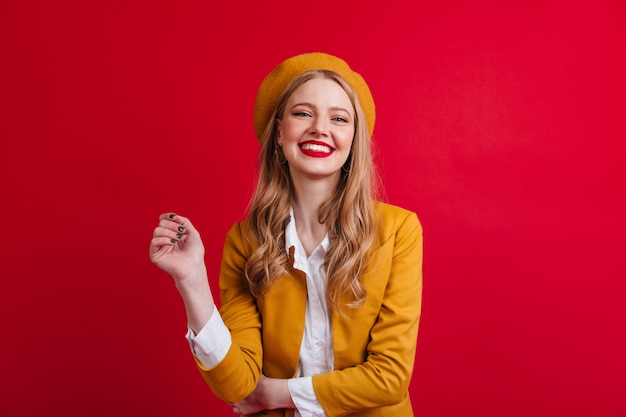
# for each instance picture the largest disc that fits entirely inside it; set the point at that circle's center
(192, 280)
(196, 293)
(282, 398)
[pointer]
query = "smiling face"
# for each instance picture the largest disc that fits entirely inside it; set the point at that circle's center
(317, 129)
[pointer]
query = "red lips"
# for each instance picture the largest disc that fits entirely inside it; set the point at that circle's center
(316, 149)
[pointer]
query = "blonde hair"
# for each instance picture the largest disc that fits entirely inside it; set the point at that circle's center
(349, 213)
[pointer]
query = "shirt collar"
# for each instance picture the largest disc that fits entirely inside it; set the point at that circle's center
(292, 239)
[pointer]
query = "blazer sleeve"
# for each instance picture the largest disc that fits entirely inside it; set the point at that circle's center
(236, 376)
(382, 379)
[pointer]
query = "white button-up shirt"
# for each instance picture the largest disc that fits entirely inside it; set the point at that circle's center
(211, 344)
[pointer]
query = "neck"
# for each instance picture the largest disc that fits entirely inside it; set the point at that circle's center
(309, 195)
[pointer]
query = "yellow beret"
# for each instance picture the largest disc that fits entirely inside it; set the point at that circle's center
(276, 81)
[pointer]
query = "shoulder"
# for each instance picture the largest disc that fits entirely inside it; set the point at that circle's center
(240, 236)
(394, 217)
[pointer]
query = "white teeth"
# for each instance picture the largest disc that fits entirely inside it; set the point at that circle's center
(316, 148)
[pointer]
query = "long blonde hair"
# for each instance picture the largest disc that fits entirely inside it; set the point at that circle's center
(349, 213)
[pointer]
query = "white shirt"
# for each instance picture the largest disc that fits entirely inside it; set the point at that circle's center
(211, 344)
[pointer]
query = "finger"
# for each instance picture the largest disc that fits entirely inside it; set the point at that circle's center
(172, 226)
(175, 222)
(176, 218)
(171, 216)
(159, 244)
(169, 233)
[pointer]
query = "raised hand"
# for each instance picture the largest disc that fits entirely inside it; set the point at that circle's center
(177, 249)
(176, 246)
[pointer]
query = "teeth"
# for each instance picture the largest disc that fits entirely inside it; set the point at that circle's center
(316, 148)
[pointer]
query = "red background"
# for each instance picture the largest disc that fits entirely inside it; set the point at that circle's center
(502, 126)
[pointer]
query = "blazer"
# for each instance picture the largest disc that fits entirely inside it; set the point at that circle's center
(374, 345)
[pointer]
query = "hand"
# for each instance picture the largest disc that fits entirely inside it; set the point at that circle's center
(176, 247)
(269, 394)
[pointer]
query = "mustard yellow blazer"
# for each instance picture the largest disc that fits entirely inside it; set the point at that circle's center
(374, 345)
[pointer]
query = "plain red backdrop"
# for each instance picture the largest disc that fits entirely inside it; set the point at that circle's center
(501, 126)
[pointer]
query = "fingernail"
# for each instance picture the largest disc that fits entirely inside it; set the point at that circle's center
(179, 236)
(173, 240)
(181, 229)
(172, 215)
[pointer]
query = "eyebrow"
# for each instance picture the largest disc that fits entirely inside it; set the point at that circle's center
(315, 107)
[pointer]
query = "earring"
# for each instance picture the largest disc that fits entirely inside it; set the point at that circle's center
(277, 155)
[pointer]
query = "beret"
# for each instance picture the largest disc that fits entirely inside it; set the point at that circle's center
(276, 81)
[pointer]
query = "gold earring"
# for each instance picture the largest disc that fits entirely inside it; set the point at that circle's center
(278, 154)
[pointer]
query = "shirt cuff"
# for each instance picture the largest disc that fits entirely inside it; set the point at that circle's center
(212, 342)
(303, 396)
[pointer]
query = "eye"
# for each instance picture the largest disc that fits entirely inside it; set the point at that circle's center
(340, 119)
(302, 114)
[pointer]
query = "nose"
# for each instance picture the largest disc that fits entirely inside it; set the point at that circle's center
(319, 127)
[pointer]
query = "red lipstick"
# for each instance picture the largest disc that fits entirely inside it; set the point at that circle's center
(316, 149)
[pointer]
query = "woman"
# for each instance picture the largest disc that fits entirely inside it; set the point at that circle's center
(321, 285)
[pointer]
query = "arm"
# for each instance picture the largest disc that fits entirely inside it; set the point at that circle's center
(269, 394)
(177, 249)
(236, 376)
(379, 376)
(387, 348)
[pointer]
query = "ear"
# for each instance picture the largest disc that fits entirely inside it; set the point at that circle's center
(279, 133)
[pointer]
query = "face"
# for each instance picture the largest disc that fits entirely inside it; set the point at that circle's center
(317, 129)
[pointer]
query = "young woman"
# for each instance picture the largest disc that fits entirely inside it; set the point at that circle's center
(321, 286)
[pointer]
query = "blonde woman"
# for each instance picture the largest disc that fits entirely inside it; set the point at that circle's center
(321, 285)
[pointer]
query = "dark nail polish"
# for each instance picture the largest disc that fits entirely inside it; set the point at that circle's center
(172, 216)
(181, 229)
(179, 236)
(173, 240)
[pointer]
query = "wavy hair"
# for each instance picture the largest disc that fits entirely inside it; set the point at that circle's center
(349, 213)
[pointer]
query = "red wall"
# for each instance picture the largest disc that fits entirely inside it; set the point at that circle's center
(501, 126)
